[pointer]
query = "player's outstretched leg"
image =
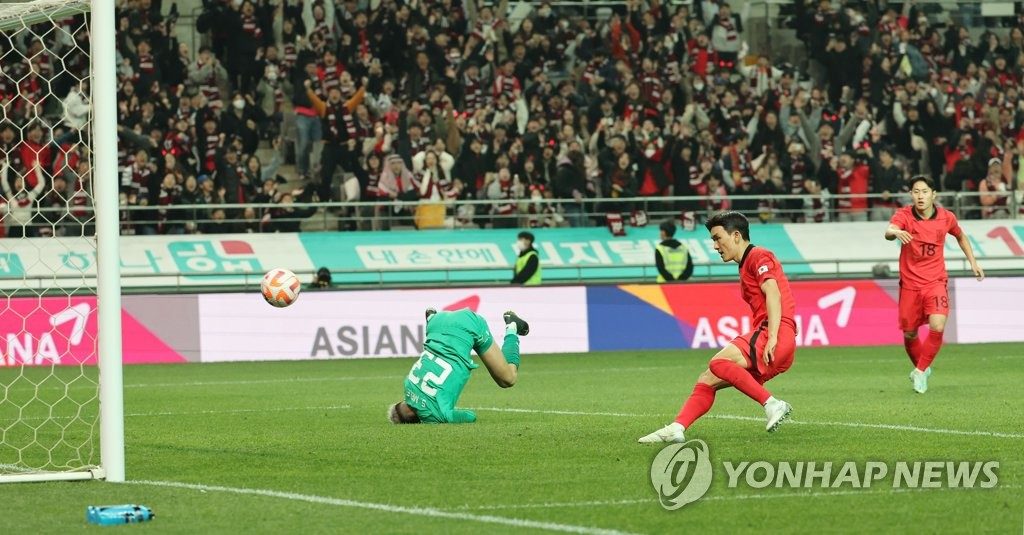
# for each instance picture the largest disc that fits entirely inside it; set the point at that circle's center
(697, 405)
(727, 368)
(731, 366)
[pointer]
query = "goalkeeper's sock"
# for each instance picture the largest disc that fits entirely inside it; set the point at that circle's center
(739, 378)
(913, 347)
(929, 349)
(697, 405)
(511, 346)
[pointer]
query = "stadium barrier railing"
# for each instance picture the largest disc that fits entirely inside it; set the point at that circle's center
(481, 213)
(802, 269)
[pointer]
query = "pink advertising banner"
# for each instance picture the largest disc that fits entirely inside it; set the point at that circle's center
(44, 331)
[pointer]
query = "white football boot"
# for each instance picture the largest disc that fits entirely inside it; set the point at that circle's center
(776, 411)
(927, 373)
(920, 379)
(672, 432)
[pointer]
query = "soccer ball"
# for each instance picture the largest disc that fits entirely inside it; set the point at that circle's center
(280, 287)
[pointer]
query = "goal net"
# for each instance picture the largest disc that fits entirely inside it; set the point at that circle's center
(56, 242)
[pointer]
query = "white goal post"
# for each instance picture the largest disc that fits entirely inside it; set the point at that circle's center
(61, 391)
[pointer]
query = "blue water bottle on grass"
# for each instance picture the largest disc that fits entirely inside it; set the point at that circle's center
(109, 515)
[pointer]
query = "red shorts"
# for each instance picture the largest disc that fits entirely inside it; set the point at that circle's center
(917, 305)
(752, 346)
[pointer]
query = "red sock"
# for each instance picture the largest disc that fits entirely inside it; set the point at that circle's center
(913, 346)
(929, 349)
(740, 378)
(698, 404)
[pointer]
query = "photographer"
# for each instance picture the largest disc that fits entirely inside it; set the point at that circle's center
(322, 279)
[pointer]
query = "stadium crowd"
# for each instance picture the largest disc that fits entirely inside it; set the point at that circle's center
(446, 100)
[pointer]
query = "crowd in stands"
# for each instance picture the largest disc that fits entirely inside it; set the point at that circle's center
(444, 100)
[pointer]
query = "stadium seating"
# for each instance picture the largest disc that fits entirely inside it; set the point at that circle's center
(550, 115)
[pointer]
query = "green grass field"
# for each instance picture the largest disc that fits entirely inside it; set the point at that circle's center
(305, 448)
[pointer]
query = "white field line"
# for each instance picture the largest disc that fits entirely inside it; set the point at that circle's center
(238, 411)
(719, 498)
(900, 359)
(891, 427)
(394, 377)
(860, 425)
(260, 381)
(562, 413)
(241, 382)
(195, 413)
(384, 507)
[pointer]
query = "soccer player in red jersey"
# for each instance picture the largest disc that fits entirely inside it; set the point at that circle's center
(924, 298)
(751, 359)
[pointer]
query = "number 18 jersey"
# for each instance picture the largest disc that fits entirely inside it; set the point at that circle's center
(923, 260)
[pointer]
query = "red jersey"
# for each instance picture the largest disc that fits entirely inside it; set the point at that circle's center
(923, 260)
(758, 265)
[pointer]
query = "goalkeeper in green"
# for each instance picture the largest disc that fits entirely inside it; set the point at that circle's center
(436, 380)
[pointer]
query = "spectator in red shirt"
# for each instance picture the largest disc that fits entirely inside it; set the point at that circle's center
(35, 154)
(853, 180)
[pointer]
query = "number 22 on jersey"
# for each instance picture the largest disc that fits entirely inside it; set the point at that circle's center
(430, 381)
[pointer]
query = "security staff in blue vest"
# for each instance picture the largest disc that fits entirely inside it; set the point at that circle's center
(671, 256)
(527, 268)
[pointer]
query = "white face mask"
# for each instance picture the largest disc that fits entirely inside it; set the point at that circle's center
(239, 104)
(521, 245)
(272, 75)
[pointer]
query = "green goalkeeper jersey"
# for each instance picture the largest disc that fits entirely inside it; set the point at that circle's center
(436, 380)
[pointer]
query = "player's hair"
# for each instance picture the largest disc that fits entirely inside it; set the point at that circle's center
(730, 221)
(669, 228)
(409, 418)
(922, 178)
(397, 416)
(526, 236)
